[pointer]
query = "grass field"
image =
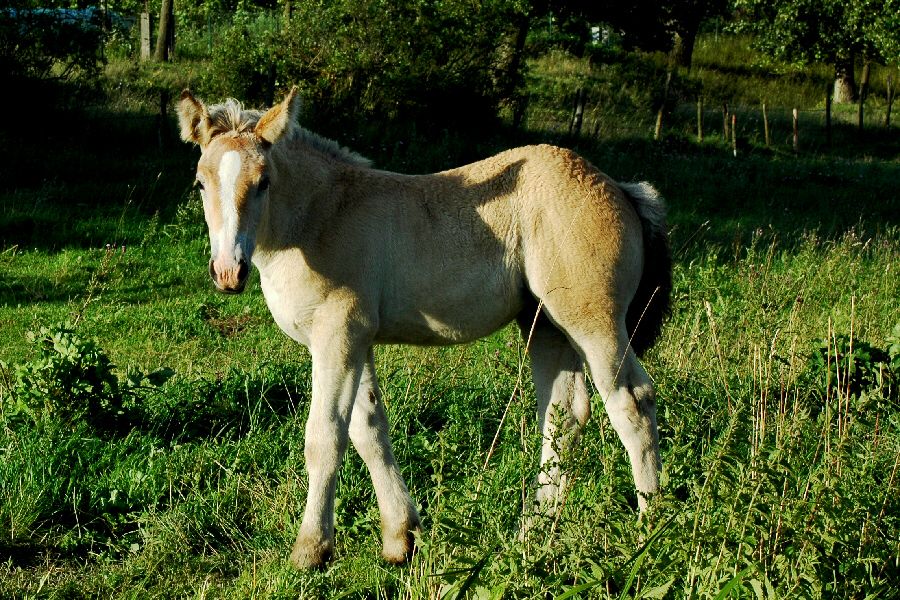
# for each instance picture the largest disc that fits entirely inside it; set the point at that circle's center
(152, 431)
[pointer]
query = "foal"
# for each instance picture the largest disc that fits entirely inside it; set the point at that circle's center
(350, 256)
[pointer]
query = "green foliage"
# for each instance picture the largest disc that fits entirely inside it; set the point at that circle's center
(831, 32)
(884, 34)
(73, 380)
(49, 61)
(43, 44)
(243, 61)
(431, 62)
(854, 368)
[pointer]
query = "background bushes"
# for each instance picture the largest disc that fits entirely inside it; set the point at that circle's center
(438, 65)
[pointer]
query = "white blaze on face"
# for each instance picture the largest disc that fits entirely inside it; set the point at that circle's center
(229, 170)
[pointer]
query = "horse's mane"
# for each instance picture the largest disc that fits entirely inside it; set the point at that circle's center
(232, 116)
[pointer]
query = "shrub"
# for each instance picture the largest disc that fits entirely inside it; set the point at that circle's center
(853, 369)
(243, 60)
(439, 64)
(73, 380)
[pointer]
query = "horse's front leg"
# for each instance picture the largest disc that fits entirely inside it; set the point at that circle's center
(369, 434)
(337, 368)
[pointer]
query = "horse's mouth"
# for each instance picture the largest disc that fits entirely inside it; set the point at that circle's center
(232, 290)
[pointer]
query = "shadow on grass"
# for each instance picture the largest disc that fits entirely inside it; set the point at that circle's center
(85, 179)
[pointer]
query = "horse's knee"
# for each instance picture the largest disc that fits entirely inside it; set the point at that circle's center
(632, 405)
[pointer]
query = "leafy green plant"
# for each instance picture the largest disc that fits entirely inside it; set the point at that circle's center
(243, 60)
(49, 59)
(73, 379)
(853, 368)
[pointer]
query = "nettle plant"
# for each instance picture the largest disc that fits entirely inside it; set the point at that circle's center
(853, 369)
(72, 379)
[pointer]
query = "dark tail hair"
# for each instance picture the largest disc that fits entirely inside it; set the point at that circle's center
(652, 301)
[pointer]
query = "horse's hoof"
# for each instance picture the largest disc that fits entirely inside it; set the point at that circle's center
(311, 553)
(399, 547)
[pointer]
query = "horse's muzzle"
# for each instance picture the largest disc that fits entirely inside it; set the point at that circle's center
(230, 281)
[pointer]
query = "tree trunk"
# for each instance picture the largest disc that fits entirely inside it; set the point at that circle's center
(844, 83)
(890, 101)
(863, 92)
(683, 49)
(514, 71)
(165, 39)
(684, 39)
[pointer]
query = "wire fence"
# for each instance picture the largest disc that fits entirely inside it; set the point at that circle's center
(737, 124)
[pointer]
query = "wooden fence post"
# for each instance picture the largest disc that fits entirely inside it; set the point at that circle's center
(863, 92)
(796, 114)
(766, 125)
(578, 112)
(659, 115)
(890, 101)
(725, 121)
(828, 89)
(146, 28)
(700, 118)
(734, 134)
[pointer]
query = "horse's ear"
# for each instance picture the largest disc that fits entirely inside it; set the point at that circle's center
(279, 119)
(193, 118)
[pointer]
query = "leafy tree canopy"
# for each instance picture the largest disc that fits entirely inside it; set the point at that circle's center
(830, 31)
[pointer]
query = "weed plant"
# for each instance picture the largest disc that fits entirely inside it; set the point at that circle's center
(153, 445)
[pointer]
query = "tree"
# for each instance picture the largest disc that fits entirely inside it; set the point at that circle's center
(165, 40)
(885, 33)
(436, 64)
(683, 18)
(836, 32)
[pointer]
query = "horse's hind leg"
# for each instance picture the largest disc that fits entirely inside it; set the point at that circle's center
(630, 402)
(369, 434)
(563, 404)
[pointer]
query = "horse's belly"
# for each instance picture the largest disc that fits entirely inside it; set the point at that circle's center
(440, 319)
(432, 308)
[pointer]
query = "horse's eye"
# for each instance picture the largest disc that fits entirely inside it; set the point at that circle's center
(263, 184)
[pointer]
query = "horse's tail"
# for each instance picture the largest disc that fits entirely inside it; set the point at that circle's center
(651, 302)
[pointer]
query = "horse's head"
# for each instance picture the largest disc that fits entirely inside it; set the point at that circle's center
(233, 176)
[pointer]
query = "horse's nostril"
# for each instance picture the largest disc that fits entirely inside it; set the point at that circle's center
(212, 269)
(243, 270)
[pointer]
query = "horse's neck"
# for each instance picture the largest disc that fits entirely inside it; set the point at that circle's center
(301, 195)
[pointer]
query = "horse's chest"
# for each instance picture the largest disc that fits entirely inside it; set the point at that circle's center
(291, 303)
